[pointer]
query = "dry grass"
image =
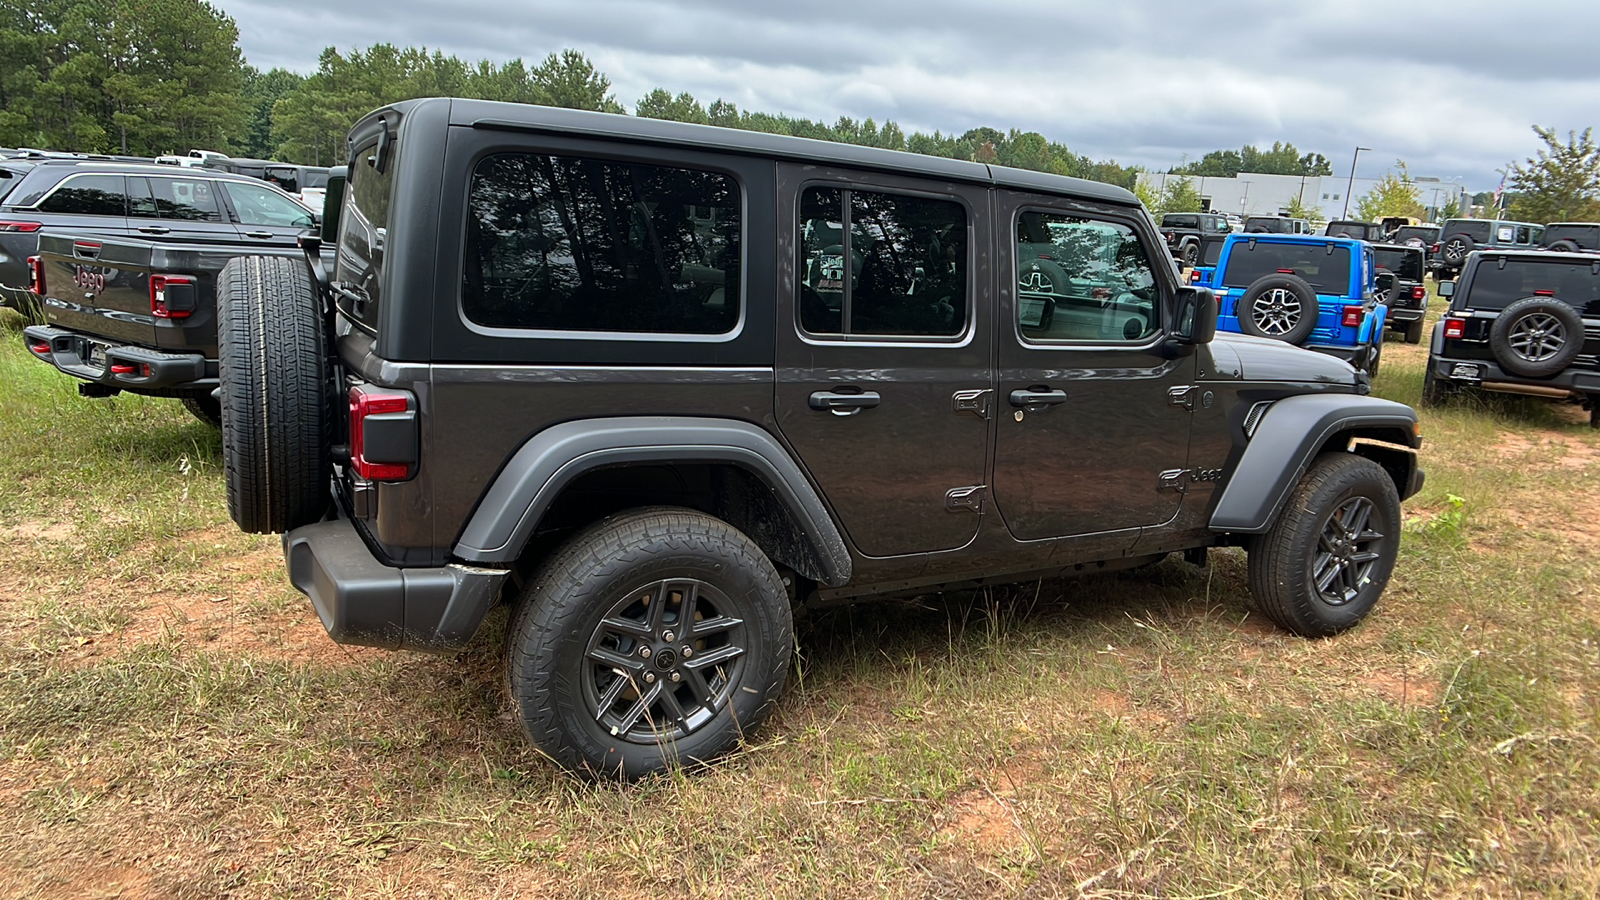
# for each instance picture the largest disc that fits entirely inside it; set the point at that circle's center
(173, 723)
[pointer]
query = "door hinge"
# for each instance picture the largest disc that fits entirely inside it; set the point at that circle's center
(1182, 395)
(974, 402)
(970, 498)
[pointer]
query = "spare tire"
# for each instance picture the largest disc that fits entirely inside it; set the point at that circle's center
(1563, 246)
(1455, 248)
(273, 366)
(1281, 307)
(1536, 337)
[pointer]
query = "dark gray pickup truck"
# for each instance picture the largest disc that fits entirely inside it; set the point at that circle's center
(123, 314)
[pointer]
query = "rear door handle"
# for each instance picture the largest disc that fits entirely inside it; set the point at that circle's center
(1025, 397)
(258, 234)
(154, 229)
(844, 404)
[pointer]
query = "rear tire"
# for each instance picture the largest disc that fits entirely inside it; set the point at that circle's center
(1414, 332)
(621, 658)
(1322, 565)
(273, 366)
(204, 407)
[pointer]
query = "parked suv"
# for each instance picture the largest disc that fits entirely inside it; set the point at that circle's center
(1459, 237)
(655, 385)
(1320, 293)
(1401, 271)
(1520, 322)
(1276, 225)
(1570, 237)
(1184, 233)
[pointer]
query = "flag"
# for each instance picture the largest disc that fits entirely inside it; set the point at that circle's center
(1501, 190)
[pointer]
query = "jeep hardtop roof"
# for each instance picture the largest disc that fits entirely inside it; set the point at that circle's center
(522, 117)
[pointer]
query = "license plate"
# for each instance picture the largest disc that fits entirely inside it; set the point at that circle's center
(94, 354)
(1467, 370)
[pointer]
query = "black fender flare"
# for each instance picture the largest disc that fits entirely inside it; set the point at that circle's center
(552, 459)
(1290, 434)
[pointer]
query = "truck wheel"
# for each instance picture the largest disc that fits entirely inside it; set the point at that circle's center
(1564, 247)
(1191, 254)
(1436, 392)
(1414, 332)
(1282, 307)
(273, 367)
(204, 407)
(1323, 563)
(1455, 249)
(1536, 337)
(653, 638)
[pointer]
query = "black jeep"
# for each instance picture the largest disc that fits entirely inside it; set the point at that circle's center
(1521, 322)
(1186, 232)
(1401, 274)
(657, 385)
(1570, 237)
(1276, 225)
(1361, 231)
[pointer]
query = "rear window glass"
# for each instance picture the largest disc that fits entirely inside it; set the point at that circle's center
(1409, 232)
(1179, 221)
(1479, 230)
(1326, 267)
(90, 195)
(1403, 264)
(363, 230)
(1587, 236)
(574, 244)
(1494, 287)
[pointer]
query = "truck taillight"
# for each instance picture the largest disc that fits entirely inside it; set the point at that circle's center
(1435, 248)
(172, 296)
(1352, 316)
(383, 433)
(24, 227)
(36, 275)
(1418, 292)
(1194, 276)
(1455, 329)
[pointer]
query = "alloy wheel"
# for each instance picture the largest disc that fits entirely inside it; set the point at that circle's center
(1537, 337)
(1347, 549)
(1276, 312)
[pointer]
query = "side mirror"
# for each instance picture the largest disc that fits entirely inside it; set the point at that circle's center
(1196, 322)
(333, 203)
(1447, 289)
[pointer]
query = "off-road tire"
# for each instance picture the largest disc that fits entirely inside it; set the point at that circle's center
(204, 407)
(1436, 391)
(1282, 561)
(1531, 315)
(1191, 254)
(569, 611)
(273, 368)
(1563, 247)
(1413, 332)
(1261, 289)
(1454, 250)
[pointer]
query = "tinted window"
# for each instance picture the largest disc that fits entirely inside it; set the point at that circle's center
(1582, 235)
(591, 245)
(285, 177)
(189, 199)
(1083, 280)
(363, 228)
(260, 205)
(1421, 233)
(1403, 264)
(1493, 287)
(1477, 229)
(1179, 221)
(1326, 267)
(9, 178)
(907, 264)
(91, 195)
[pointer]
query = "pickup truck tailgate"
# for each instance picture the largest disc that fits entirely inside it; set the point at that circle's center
(101, 287)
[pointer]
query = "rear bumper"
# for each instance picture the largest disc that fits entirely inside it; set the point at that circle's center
(1489, 376)
(1400, 315)
(362, 601)
(126, 367)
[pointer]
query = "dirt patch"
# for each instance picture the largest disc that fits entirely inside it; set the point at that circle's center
(53, 533)
(1403, 688)
(1552, 448)
(981, 820)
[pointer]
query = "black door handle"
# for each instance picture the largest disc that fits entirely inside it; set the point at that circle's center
(155, 229)
(844, 404)
(1027, 397)
(258, 234)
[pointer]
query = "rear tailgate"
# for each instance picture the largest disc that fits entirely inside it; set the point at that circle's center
(98, 286)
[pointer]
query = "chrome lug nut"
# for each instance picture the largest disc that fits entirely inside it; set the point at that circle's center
(644, 652)
(675, 677)
(668, 637)
(649, 678)
(688, 651)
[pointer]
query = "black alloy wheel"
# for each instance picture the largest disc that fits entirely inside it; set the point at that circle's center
(1347, 549)
(1536, 337)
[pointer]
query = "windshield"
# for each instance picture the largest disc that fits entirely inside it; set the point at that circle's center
(1405, 264)
(1326, 267)
(1494, 287)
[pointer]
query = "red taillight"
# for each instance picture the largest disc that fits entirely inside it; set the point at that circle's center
(36, 275)
(171, 296)
(1352, 316)
(1285, 271)
(1455, 329)
(1194, 275)
(1419, 293)
(1435, 248)
(1544, 293)
(24, 227)
(366, 403)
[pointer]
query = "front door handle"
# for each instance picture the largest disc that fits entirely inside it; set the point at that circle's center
(1028, 397)
(841, 404)
(258, 234)
(155, 229)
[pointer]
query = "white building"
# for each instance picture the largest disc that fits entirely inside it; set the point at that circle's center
(1253, 194)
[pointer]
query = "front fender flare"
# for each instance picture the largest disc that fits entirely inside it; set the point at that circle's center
(1288, 437)
(552, 459)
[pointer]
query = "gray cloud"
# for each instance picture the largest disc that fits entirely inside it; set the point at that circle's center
(1452, 89)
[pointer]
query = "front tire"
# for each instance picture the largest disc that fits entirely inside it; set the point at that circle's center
(1322, 565)
(652, 639)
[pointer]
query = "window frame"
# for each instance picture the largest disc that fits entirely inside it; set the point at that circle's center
(1161, 304)
(846, 186)
(523, 334)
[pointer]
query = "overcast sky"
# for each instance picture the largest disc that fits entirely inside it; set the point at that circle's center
(1451, 88)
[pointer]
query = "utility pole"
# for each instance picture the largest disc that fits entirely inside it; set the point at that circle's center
(1351, 185)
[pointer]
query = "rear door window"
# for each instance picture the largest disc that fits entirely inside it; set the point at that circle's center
(89, 195)
(185, 199)
(566, 243)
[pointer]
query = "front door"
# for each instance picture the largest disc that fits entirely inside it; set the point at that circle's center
(1094, 404)
(883, 355)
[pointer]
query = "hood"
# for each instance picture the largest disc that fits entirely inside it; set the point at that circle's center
(1264, 359)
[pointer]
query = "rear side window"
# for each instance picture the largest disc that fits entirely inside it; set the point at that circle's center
(874, 263)
(189, 199)
(574, 244)
(90, 195)
(1326, 267)
(260, 205)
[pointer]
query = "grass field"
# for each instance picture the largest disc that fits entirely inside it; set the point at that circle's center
(174, 723)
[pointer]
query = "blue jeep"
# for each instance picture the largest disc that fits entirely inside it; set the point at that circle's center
(1317, 292)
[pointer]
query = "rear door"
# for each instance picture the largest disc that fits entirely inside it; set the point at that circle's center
(1093, 430)
(884, 352)
(178, 208)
